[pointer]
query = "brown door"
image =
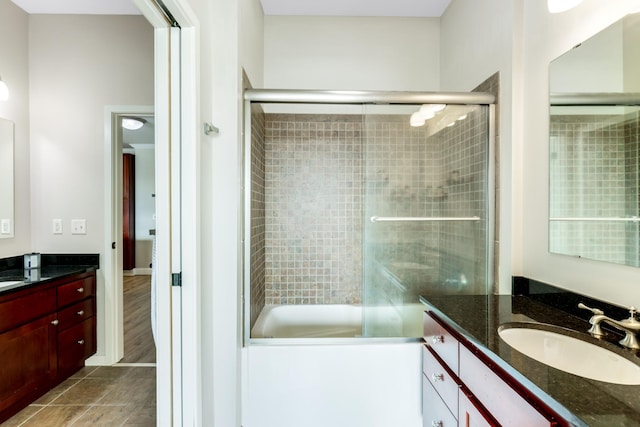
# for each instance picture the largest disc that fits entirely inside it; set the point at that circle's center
(128, 212)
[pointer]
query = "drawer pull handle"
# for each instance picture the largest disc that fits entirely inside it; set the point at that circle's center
(80, 290)
(437, 339)
(80, 342)
(436, 424)
(55, 322)
(437, 377)
(81, 313)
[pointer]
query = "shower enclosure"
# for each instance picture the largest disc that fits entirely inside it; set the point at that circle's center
(365, 201)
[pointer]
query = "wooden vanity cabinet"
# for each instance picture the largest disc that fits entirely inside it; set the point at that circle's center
(482, 398)
(46, 333)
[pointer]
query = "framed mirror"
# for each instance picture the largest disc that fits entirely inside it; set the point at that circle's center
(6, 179)
(594, 147)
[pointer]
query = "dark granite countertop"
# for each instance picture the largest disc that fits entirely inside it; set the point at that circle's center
(53, 267)
(581, 401)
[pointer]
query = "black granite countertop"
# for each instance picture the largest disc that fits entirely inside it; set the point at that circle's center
(53, 267)
(581, 401)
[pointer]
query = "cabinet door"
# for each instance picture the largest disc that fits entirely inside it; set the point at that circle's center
(75, 345)
(502, 401)
(28, 361)
(471, 413)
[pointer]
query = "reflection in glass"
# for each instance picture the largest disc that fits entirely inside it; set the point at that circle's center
(6, 179)
(594, 182)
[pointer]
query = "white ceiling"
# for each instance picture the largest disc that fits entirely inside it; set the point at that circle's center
(431, 8)
(82, 7)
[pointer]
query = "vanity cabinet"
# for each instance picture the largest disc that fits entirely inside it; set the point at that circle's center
(454, 376)
(47, 331)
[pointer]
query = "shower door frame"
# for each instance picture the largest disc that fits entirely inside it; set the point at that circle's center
(294, 96)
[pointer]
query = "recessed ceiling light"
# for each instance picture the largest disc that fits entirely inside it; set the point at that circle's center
(132, 123)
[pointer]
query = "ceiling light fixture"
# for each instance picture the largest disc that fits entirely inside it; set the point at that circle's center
(4, 91)
(132, 123)
(557, 6)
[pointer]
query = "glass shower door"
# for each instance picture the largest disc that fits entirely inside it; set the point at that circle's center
(425, 211)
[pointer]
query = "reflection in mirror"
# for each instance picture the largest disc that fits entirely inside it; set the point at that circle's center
(594, 164)
(6, 179)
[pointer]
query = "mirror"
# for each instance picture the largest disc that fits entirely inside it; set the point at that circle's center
(6, 179)
(594, 149)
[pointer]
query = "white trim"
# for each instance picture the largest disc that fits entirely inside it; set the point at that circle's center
(112, 265)
(142, 271)
(191, 295)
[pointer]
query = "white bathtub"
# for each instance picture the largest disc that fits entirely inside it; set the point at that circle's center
(337, 321)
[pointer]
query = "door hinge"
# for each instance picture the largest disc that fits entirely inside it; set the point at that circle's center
(176, 279)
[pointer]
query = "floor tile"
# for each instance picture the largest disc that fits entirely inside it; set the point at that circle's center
(21, 416)
(85, 392)
(56, 416)
(104, 416)
(144, 416)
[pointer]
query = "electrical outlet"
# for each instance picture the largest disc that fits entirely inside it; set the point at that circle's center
(78, 226)
(5, 226)
(57, 226)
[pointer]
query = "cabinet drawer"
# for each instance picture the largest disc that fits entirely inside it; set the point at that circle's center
(441, 341)
(23, 306)
(434, 412)
(75, 345)
(471, 413)
(76, 313)
(504, 403)
(76, 291)
(441, 379)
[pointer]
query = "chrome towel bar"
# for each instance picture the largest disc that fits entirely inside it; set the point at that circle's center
(421, 219)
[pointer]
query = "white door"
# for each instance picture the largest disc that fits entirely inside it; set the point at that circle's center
(177, 284)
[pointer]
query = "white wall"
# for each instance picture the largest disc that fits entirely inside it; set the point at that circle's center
(145, 203)
(78, 65)
(230, 39)
(361, 53)
(613, 283)
(14, 69)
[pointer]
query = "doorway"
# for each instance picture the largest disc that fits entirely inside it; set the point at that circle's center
(138, 237)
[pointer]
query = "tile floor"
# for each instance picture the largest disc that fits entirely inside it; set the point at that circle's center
(95, 396)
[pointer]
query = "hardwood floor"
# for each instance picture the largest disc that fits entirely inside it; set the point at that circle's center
(139, 346)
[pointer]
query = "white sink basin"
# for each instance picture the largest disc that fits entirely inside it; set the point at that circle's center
(571, 355)
(9, 283)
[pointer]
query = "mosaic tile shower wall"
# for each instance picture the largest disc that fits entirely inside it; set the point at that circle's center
(313, 209)
(257, 212)
(594, 174)
(326, 175)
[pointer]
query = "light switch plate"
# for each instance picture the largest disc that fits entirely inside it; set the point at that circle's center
(56, 226)
(78, 226)
(5, 226)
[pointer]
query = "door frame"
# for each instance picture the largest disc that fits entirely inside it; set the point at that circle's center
(112, 263)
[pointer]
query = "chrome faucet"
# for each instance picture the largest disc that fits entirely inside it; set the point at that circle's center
(629, 326)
